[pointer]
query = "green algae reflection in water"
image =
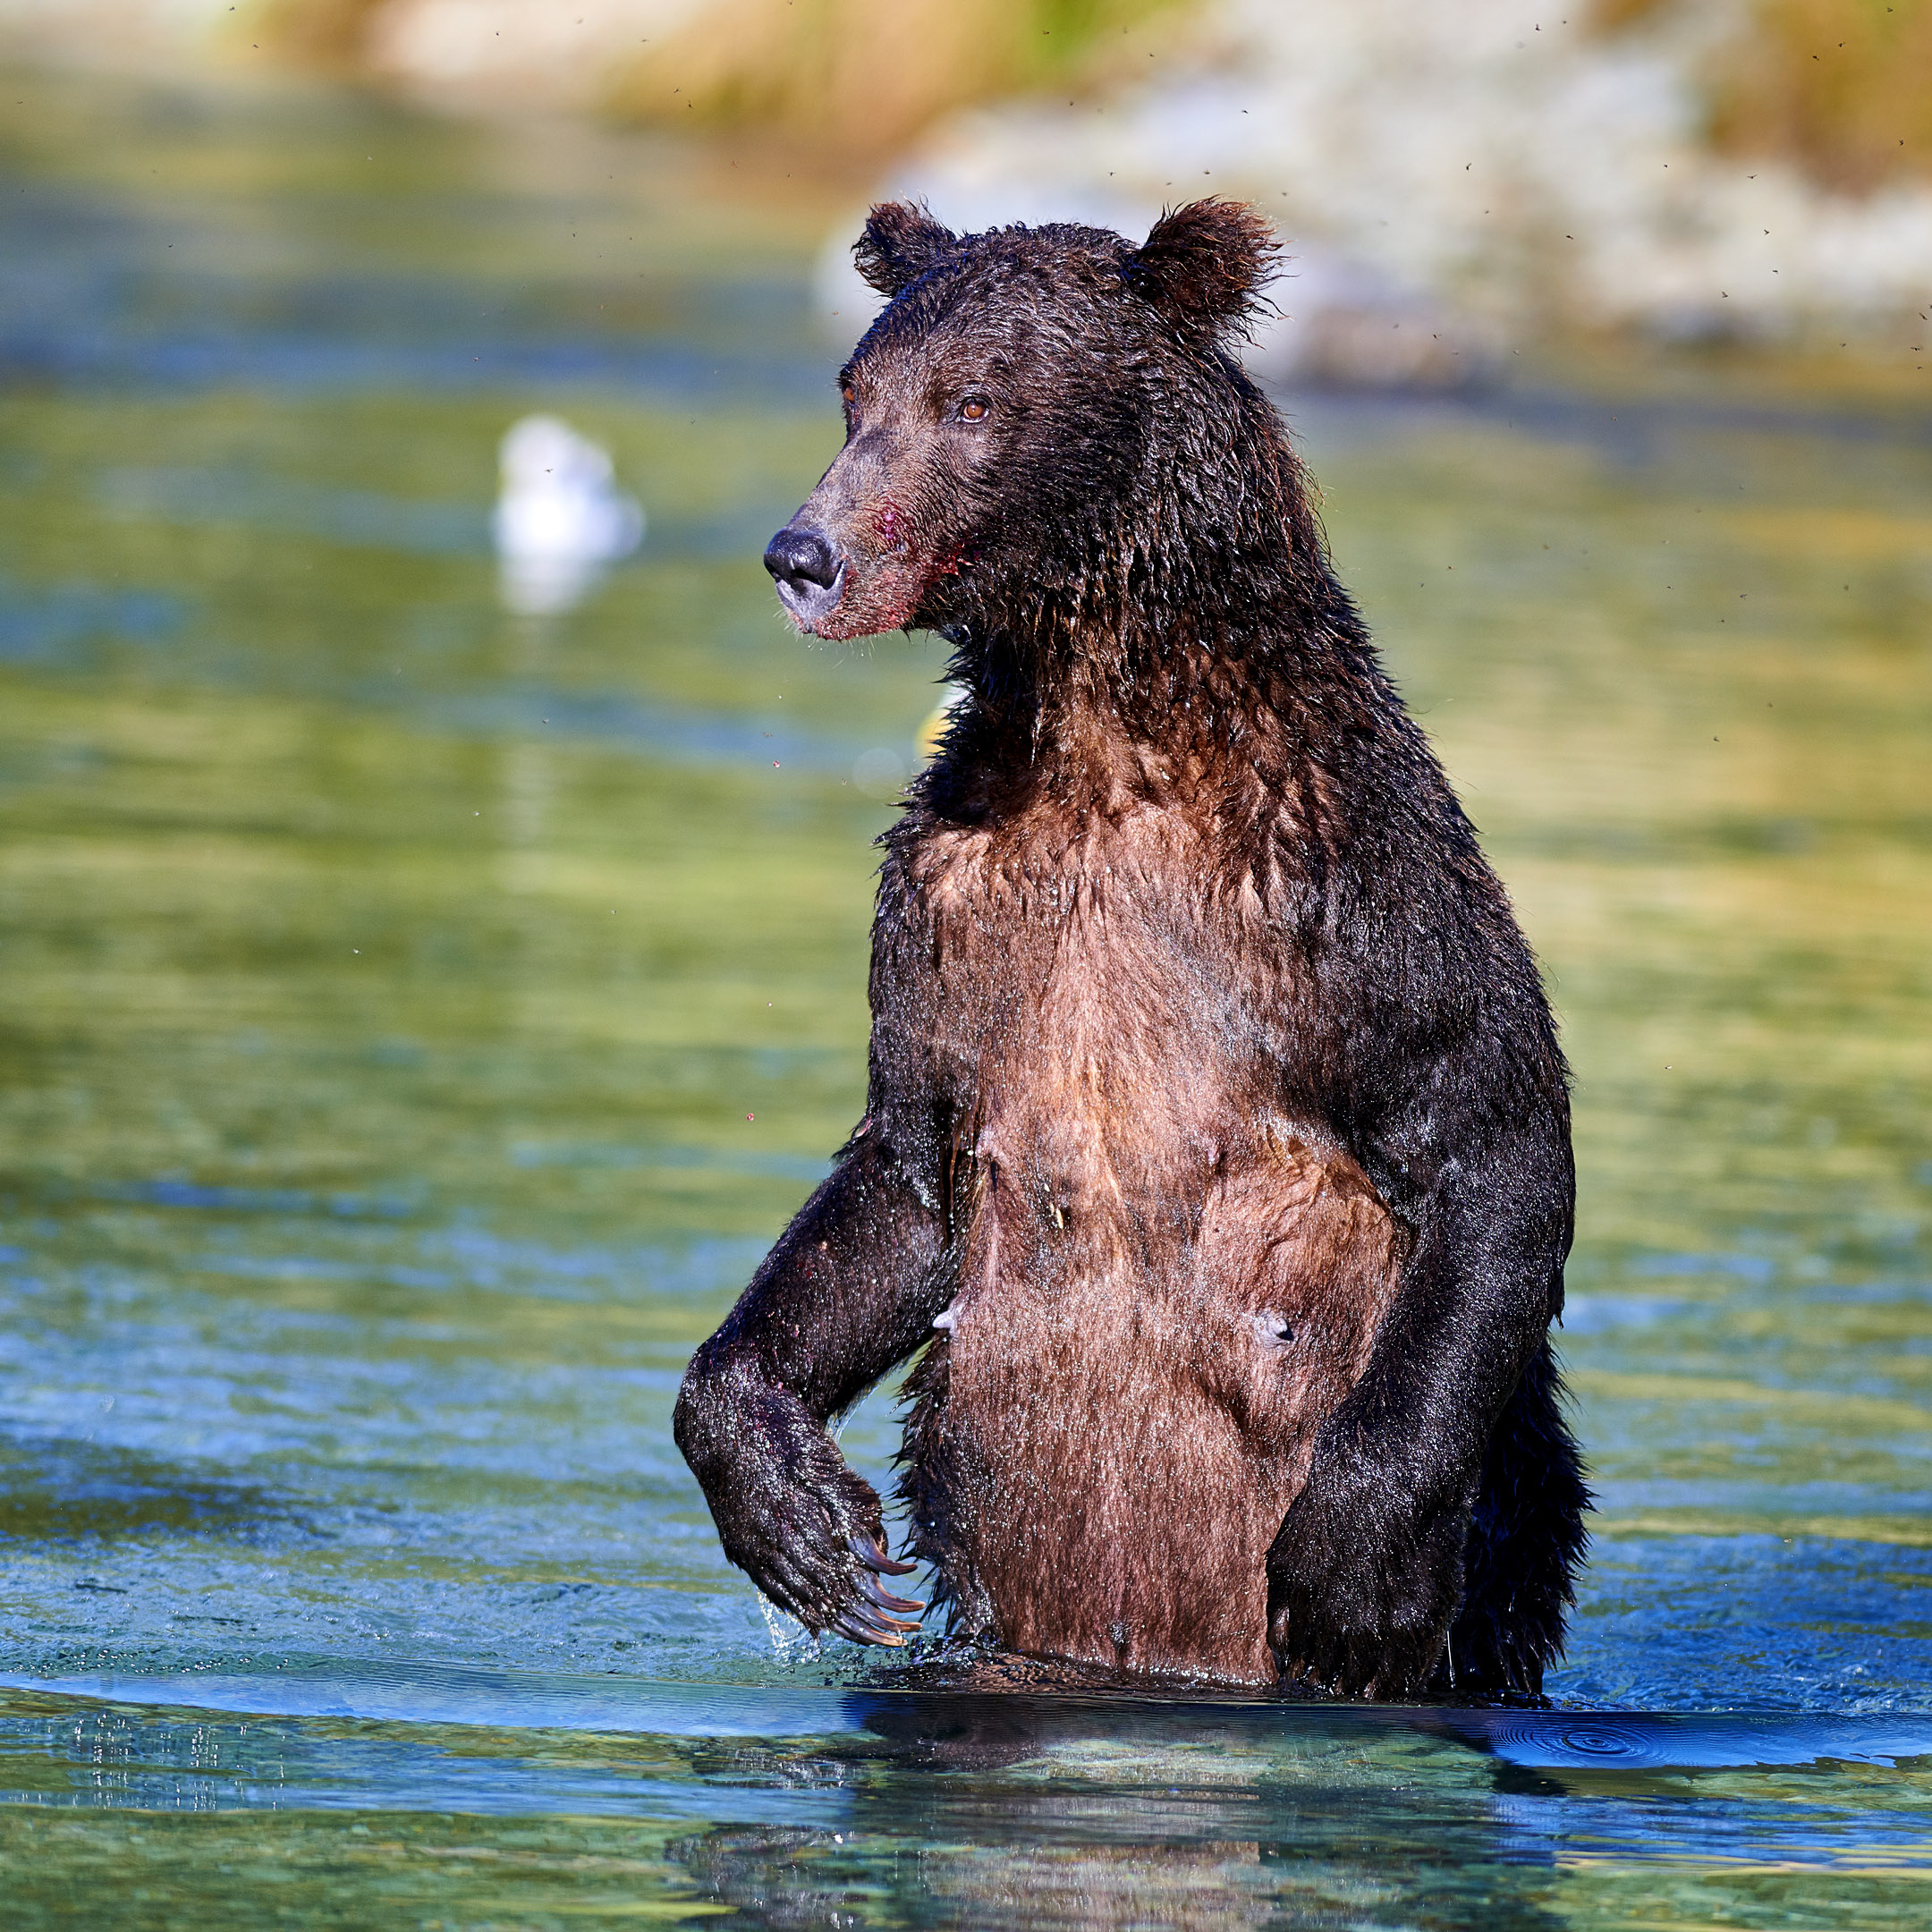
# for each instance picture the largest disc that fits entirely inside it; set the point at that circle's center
(419, 1018)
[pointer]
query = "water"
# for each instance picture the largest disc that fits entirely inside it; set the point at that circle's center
(419, 1018)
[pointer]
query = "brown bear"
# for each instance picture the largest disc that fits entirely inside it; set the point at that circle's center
(1218, 1148)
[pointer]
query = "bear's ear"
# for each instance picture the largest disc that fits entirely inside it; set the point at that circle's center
(900, 243)
(1203, 267)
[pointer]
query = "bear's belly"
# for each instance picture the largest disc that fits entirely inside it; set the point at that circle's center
(1127, 1403)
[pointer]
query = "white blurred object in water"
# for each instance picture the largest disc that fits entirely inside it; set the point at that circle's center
(560, 519)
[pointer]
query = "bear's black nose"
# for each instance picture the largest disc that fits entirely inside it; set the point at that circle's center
(800, 557)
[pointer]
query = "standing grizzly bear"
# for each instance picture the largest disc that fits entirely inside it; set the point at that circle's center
(1217, 1143)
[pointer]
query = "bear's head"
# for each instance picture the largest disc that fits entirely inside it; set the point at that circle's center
(1035, 418)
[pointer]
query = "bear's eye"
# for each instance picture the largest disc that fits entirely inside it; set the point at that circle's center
(974, 408)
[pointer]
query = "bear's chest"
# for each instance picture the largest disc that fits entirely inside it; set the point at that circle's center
(1169, 1271)
(1103, 1004)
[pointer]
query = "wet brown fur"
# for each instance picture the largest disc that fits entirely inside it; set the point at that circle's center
(1102, 1447)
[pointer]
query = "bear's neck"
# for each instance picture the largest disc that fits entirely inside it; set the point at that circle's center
(1233, 643)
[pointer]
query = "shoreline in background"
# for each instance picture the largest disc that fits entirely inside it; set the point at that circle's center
(1455, 188)
(788, 221)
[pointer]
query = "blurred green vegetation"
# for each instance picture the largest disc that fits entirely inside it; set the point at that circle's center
(859, 80)
(847, 81)
(1840, 88)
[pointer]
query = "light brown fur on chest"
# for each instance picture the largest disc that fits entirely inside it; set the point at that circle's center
(1167, 1283)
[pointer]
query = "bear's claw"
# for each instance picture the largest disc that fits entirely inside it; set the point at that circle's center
(885, 1598)
(832, 1585)
(863, 1629)
(876, 1559)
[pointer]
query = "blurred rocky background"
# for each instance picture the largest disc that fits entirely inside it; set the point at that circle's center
(1454, 181)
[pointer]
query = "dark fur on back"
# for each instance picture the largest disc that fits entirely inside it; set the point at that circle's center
(1216, 1110)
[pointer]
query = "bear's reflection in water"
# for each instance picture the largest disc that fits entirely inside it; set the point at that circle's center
(1006, 1810)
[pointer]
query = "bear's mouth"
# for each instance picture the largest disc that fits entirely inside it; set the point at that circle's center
(809, 571)
(831, 593)
(808, 604)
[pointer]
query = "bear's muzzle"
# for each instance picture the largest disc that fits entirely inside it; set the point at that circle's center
(810, 573)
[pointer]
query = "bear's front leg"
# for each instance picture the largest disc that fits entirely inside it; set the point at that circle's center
(1366, 1575)
(850, 1289)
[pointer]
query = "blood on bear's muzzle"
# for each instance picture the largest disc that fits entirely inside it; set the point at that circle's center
(810, 573)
